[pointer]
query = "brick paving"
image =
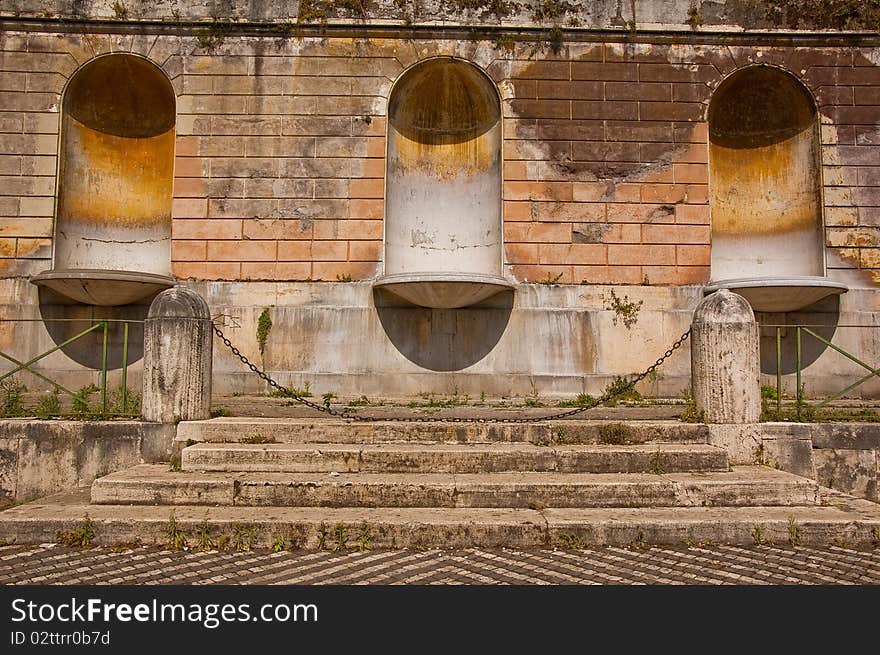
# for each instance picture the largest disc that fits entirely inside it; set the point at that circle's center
(715, 565)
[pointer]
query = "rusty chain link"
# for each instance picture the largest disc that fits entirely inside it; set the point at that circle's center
(348, 415)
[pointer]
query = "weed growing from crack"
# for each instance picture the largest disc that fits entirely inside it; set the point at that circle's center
(550, 280)
(323, 533)
(176, 536)
(82, 406)
(639, 543)
(794, 532)
(340, 538)
(759, 535)
(620, 389)
(691, 414)
(657, 464)
(205, 541)
(364, 538)
(625, 311)
(570, 541)
(79, 537)
(264, 325)
(243, 537)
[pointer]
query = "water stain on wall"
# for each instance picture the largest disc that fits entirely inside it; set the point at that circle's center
(117, 163)
(615, 161)
(442, 116)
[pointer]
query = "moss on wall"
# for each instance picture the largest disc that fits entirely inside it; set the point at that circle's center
(850, 15)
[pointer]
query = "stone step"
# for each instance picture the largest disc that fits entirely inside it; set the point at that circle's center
(747, 485)
(305, 430)
(452, 458)
(840, 520)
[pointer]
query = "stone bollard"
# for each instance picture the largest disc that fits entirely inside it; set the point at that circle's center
(178, 342)
(725, 373)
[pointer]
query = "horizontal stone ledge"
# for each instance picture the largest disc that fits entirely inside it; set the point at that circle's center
(852, 524)
(377, 29)
(847, 436)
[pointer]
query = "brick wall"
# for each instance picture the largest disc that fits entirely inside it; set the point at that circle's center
(281, 142)
(280, 164)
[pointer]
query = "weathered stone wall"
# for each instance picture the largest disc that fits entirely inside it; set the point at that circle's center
(38, 458)
(281, 145)
(280, 167)
(554, 340)
(632, 15)
(847, 458)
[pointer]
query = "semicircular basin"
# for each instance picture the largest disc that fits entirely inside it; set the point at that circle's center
(443, 290)
(780, 294)
(102, 287)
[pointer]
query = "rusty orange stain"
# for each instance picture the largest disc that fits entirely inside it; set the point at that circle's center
(771, 189)
(445, 120)
(446, 160)
(113, 180)
(763, 155)
(117, 152)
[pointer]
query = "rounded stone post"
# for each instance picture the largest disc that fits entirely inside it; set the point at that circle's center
(178, 342)
(725, 363)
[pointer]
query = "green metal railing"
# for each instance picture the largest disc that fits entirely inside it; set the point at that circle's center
(809, 330)
(102, 325)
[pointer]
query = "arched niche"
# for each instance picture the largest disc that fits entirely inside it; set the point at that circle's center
(443, 225)
(765, 191)
(116, 172)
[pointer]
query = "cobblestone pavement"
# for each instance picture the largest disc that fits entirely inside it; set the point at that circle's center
(723, 565)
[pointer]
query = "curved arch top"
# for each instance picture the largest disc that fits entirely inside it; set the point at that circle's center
(759, 106)
(121, 94)
(764, 180)
(443, 182)
(444, 100)
(115, 182)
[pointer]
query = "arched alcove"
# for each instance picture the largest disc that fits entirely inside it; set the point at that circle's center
(765, 191)
(443, 232)
(116, 172)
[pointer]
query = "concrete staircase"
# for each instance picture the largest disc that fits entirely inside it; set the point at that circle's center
(331, 483)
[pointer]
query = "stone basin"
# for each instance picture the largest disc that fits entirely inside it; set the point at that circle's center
(443, 290)
(780, 294)
(103, 287)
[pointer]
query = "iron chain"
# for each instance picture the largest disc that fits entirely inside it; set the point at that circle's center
(348, 415)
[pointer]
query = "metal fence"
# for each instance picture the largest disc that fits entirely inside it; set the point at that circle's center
(102, 327)
(803, 332)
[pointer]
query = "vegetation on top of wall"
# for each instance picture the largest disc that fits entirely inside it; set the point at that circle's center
(553, 10)
(318, 11)
(84, 406)
(11, 398)
(810, 14)
(486, 8)
(857, 15)
(827, 14)
(120, 11)
(49, 406)
(695, 15)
